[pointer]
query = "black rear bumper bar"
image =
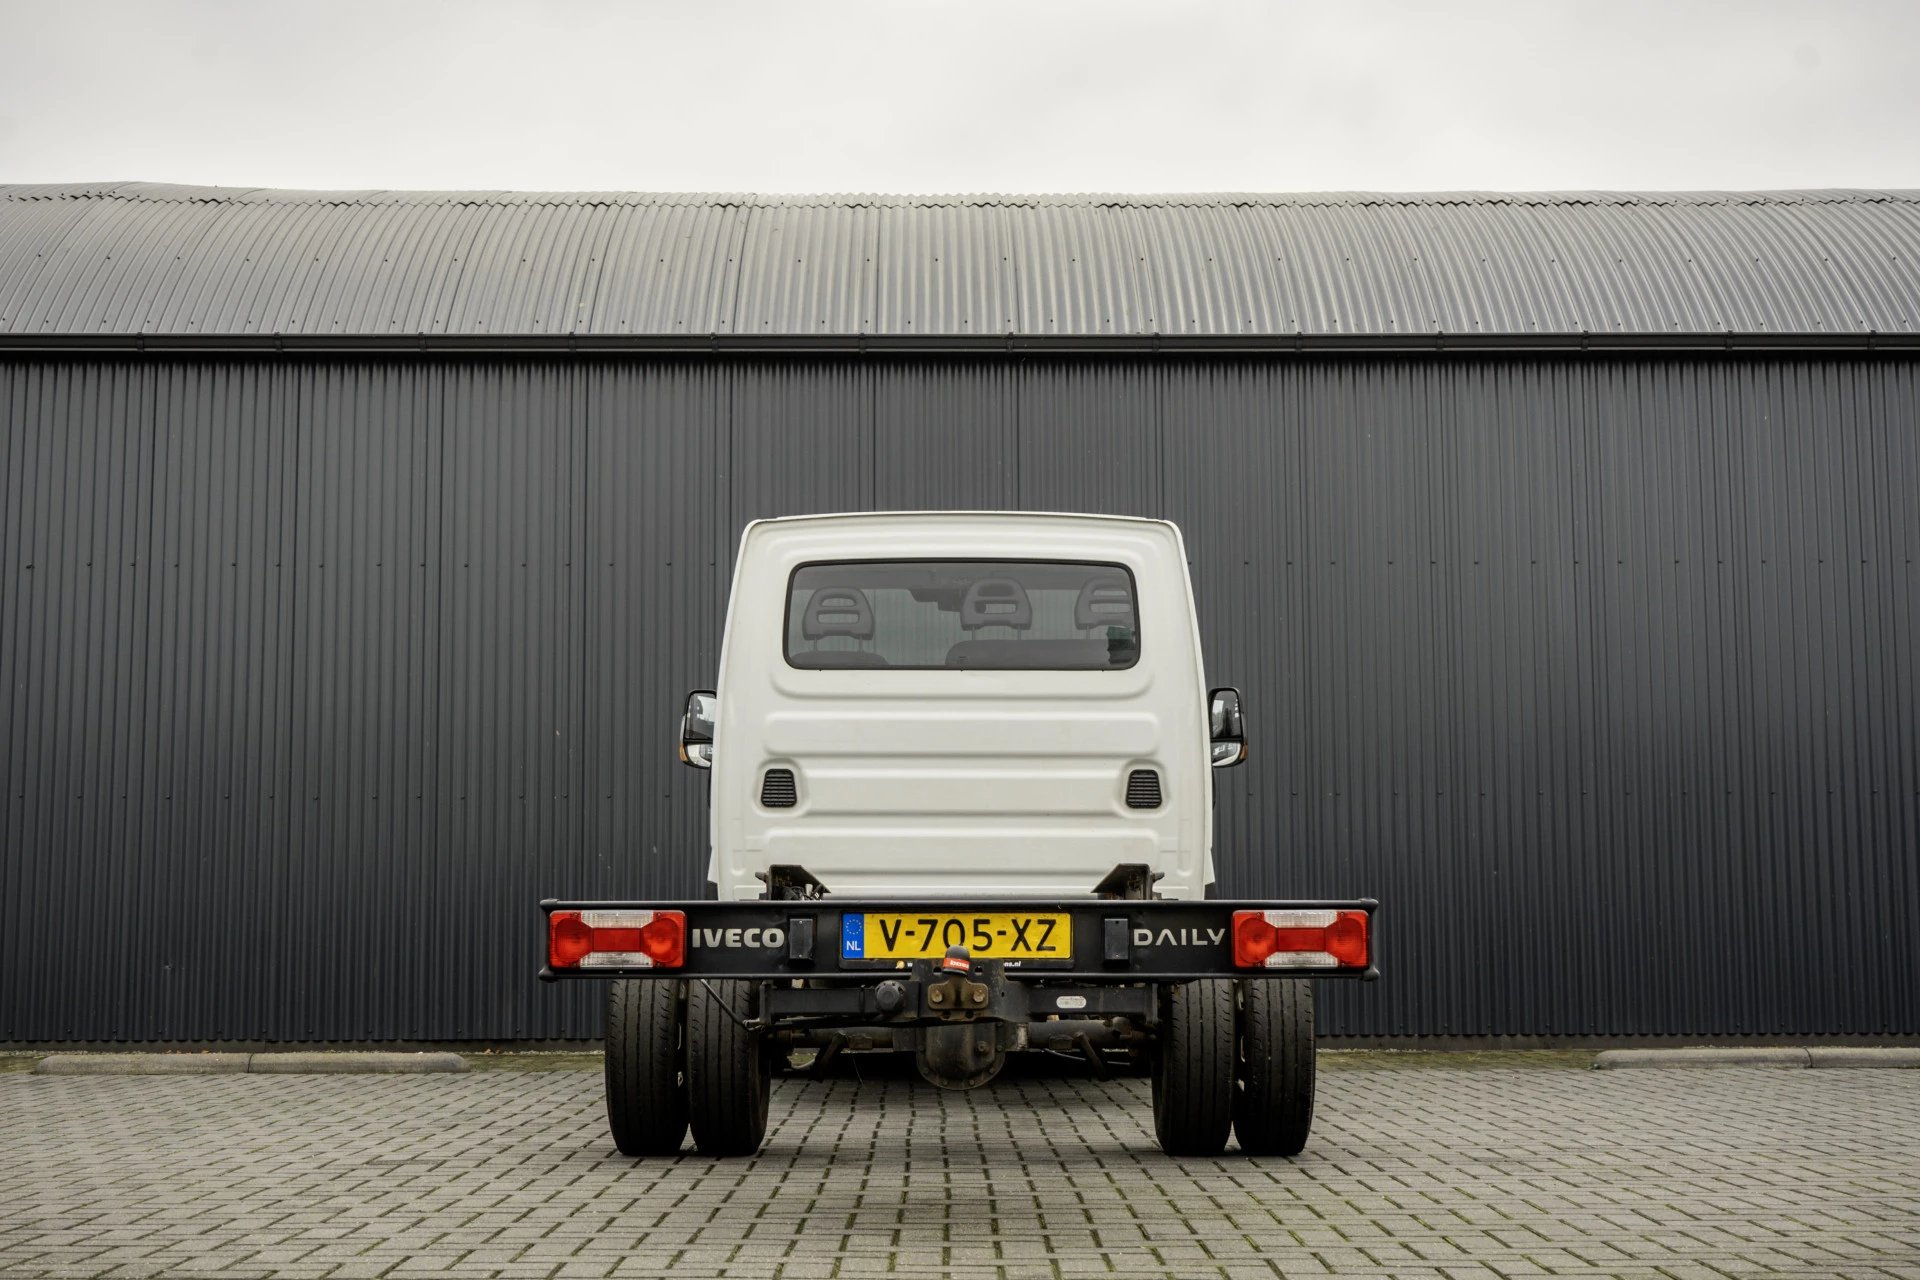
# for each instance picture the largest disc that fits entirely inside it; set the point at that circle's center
(1113, 940)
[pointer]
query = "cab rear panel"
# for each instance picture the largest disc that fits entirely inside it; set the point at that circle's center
(886, 777)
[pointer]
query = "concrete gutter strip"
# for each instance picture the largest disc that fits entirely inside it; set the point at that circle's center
(1731, 1056)
(322, 1062)
(176, 1064)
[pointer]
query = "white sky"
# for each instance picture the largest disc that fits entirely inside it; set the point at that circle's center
(919, 95)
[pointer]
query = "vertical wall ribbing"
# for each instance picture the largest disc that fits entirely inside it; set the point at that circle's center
(1600, 673)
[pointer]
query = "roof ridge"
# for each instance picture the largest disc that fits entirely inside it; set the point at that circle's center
(159, 193)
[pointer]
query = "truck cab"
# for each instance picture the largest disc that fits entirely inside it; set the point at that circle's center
(961, 808)
(1003, 705)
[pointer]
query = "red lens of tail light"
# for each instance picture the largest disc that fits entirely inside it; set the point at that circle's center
(616, 939)
(568, 940)
(664, 939)
(1347, 940)
(1297, 939)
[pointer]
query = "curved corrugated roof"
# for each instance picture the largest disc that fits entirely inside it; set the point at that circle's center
(139, 258)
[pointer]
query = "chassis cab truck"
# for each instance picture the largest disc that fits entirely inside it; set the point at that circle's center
(961, 807)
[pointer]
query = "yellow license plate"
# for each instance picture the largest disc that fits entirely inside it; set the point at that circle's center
(990, 935)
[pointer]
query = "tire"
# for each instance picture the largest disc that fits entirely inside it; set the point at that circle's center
(728, 1076)
(1273, 1094)
(1193, 1069)
(646, 1076)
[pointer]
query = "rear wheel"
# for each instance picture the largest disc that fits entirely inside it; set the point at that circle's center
(645, 1066)
(728, 1077)
(1273, 1094)
(1193, 1069)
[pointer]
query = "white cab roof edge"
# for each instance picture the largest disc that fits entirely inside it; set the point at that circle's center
(985, 513)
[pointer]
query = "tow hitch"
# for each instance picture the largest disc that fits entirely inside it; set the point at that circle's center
(969, 1046)
(952, 995)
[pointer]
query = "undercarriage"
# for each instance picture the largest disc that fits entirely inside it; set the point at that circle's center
(708, 999)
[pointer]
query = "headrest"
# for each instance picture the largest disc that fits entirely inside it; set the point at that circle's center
(1104, 602)
(837, 611)
(996, 602)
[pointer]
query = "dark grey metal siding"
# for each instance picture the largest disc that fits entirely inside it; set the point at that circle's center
(1602, 674)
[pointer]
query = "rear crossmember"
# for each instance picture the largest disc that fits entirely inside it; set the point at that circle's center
(826, 941)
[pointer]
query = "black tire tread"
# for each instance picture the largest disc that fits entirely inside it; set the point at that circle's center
(1193, 1072)
(728, 1080)
(646, 1095)
(1273, 1096)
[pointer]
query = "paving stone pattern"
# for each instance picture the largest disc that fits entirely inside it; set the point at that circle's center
(1438, 1172)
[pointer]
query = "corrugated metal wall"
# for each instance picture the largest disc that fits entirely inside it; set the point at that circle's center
(1602, 674)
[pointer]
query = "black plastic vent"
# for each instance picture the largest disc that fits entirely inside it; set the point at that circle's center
(1143, 789)
(777, 790)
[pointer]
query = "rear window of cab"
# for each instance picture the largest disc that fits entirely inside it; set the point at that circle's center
(1001, 615)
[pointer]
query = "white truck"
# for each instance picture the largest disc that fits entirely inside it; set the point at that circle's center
(961, 808)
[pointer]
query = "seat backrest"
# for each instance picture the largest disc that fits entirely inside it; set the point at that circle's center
(836, 659)
(1065, 655)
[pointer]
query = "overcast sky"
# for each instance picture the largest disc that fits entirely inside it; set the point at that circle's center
(918, 95)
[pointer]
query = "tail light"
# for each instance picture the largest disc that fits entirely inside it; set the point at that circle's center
(1300, 939)
(616, 939)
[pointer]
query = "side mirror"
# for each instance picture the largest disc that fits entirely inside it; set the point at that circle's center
(1229, 728)
(696, 729)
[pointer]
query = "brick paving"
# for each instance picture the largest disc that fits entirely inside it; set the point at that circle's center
(1442, 1171)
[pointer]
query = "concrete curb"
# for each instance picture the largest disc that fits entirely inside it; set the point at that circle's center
(1861, 1056)
(142, 1064)
(1731, 1056)
(227, 1064)
(328, 1064)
